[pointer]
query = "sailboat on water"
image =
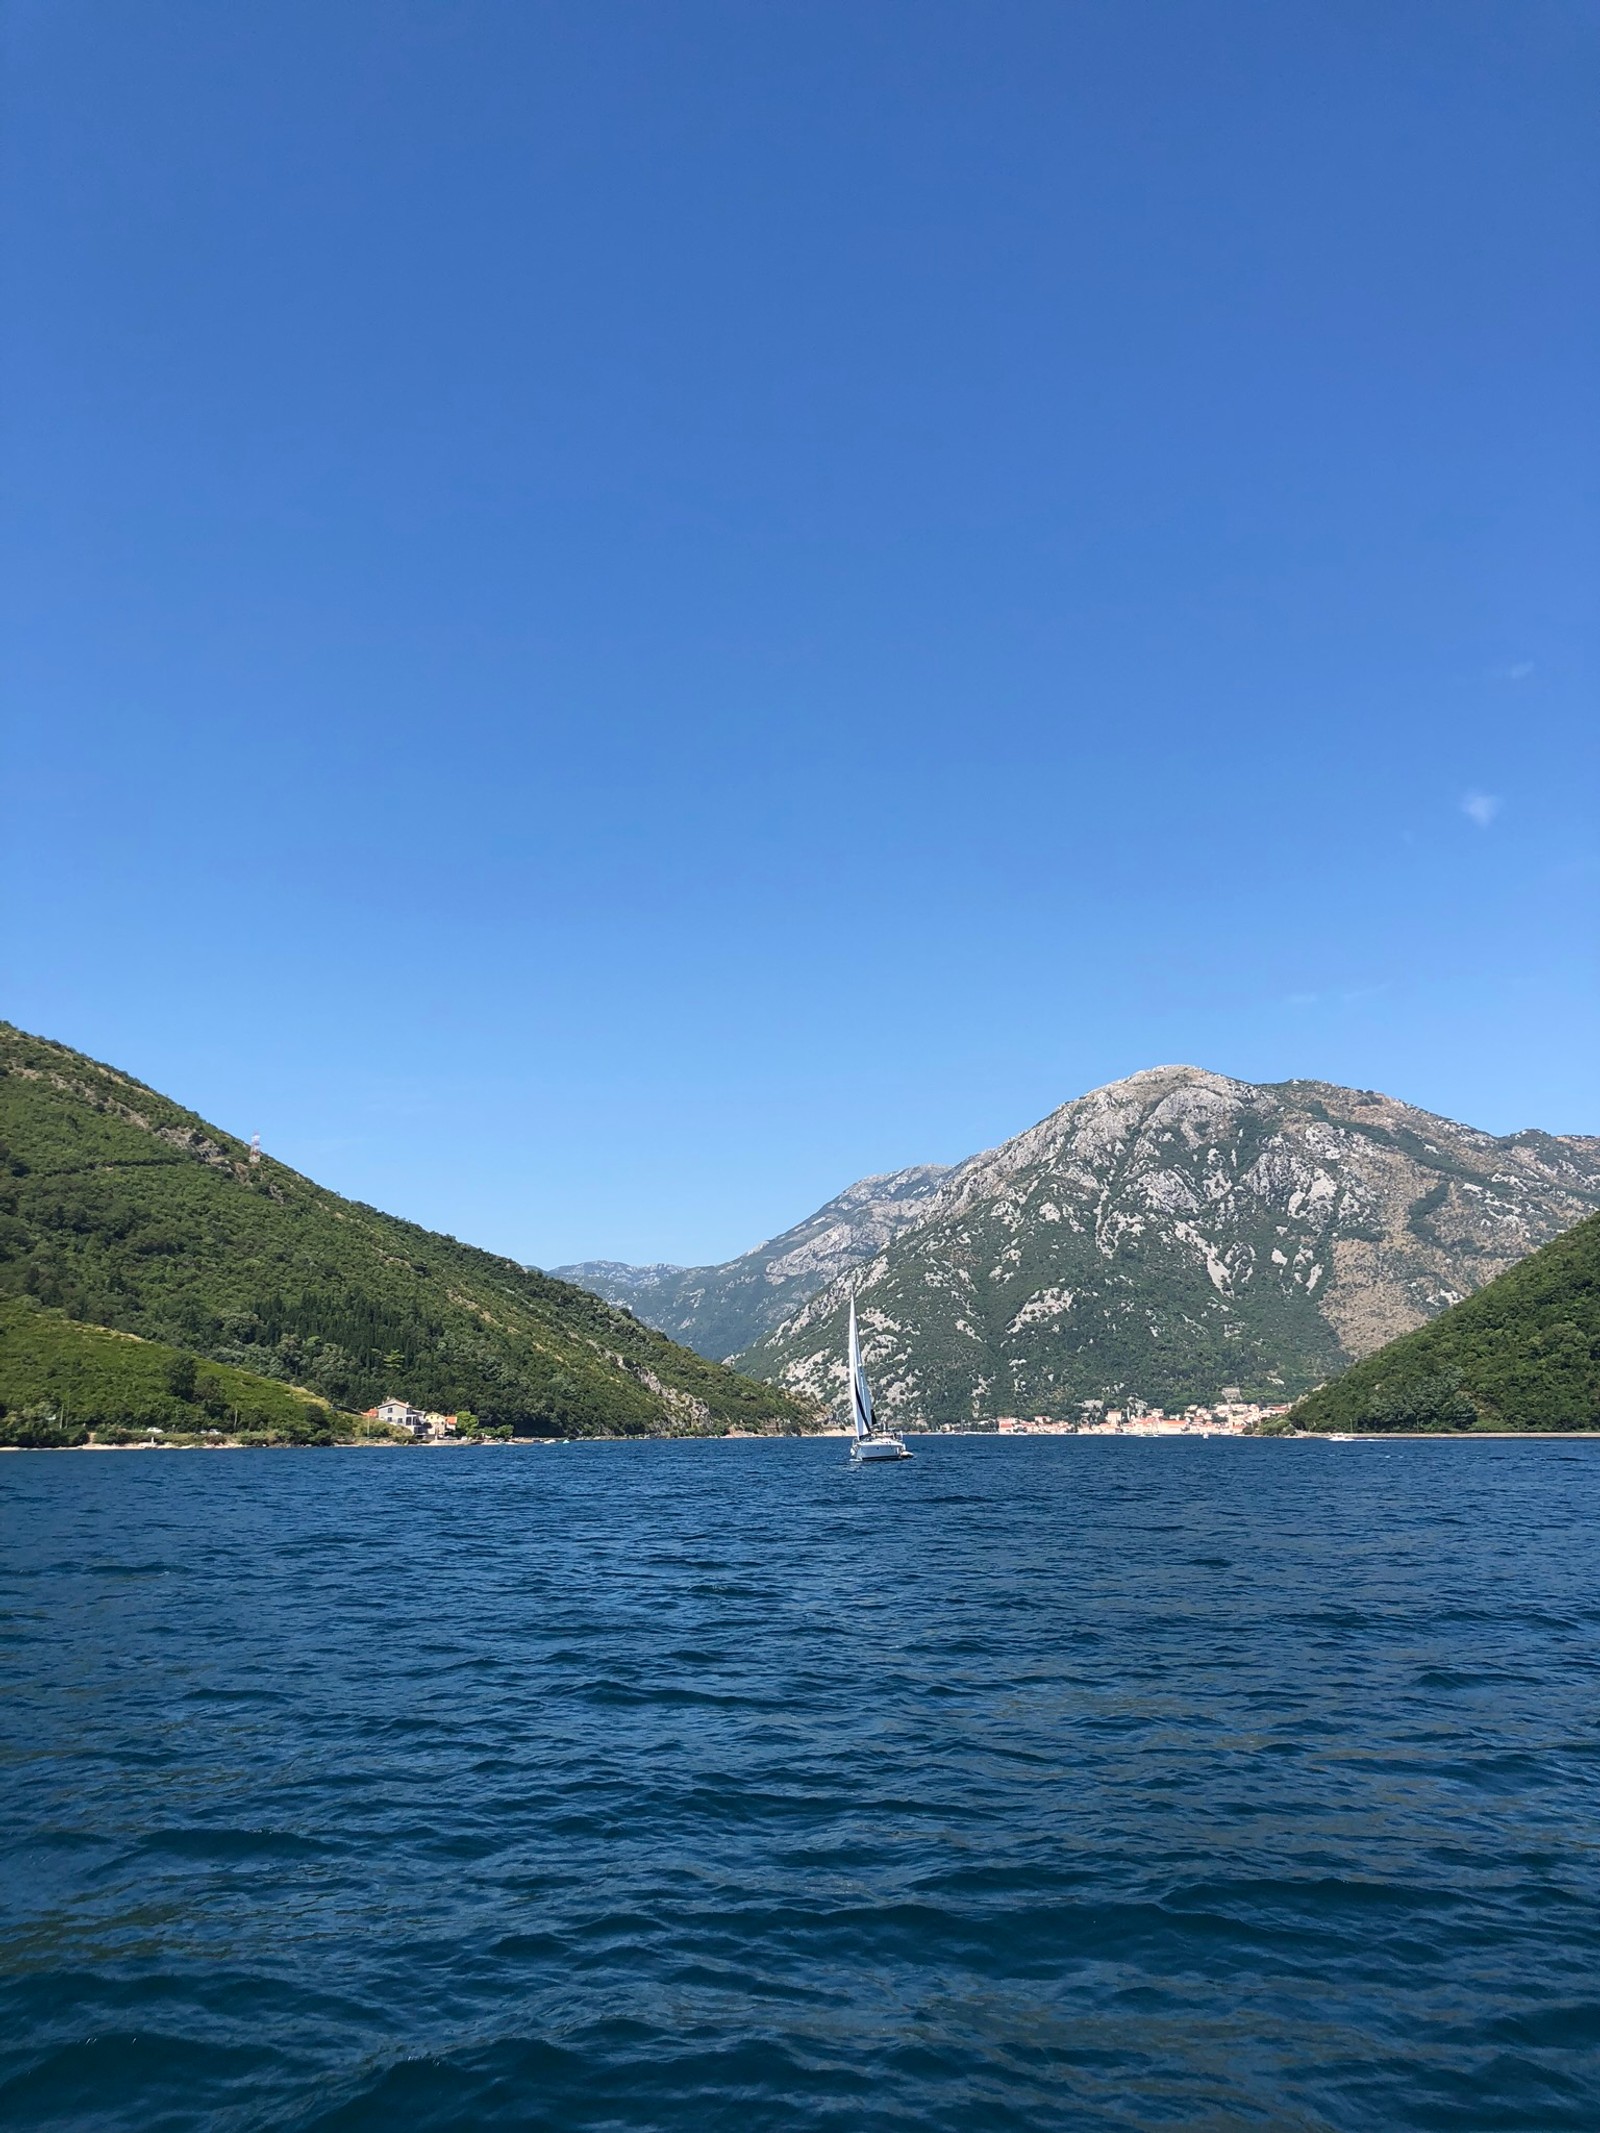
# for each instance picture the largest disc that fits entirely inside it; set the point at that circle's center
(870, 1441)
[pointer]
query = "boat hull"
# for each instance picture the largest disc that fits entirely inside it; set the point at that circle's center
(870, 1451)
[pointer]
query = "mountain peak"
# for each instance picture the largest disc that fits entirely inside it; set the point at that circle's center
(1159, 1237)
(1177, 1070)
(1154, 1082)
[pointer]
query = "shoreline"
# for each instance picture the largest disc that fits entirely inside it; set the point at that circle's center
(502, 1444)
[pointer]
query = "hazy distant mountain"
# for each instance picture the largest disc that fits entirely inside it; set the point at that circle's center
(720, 1310)
(1159, 1238)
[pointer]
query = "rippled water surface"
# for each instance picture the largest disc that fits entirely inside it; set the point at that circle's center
(1042, 1784)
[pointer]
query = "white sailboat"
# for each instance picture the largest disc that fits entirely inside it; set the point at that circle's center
(869, 1442)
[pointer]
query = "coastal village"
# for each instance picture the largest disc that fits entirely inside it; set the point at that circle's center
(1232, 1416)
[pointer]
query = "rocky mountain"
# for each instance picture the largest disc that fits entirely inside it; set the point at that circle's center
(122, 1210)
(1178, 1232)
(1173, 1234)
(720, 1310)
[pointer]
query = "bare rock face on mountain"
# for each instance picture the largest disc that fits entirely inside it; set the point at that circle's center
(1178, 1232)
(720, 1310)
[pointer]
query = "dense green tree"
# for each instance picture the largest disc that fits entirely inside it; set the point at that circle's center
(61, 1380)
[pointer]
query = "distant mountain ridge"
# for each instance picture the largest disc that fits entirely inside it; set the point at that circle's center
(1159, 1238)
(722, 1310)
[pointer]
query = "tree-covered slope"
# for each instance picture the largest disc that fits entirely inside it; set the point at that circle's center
(1523, 1353)
(124, 1210)
(62, 1382)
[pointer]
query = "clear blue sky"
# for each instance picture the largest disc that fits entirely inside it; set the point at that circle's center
(617, 613)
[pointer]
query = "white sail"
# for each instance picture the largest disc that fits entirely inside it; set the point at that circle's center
(870, 1441)
(860, 1391)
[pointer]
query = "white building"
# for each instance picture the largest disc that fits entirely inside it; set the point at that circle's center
(400, 1414)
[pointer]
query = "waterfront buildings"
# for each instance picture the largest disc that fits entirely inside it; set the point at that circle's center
(400, 1414)
(1229, 1418)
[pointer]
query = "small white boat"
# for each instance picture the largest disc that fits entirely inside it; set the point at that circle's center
(870, 1443)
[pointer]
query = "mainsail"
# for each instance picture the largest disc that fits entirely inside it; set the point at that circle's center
(860, 1390)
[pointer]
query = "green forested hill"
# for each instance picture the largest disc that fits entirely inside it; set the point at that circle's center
(121, 1209)
(61, 1381)
(1523, 1353)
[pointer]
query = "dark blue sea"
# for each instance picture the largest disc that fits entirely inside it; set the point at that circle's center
(1050, 1784)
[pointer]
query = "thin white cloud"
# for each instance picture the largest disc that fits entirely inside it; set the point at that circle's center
(1513, 670)
(1355, 996)
(1480, 807)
